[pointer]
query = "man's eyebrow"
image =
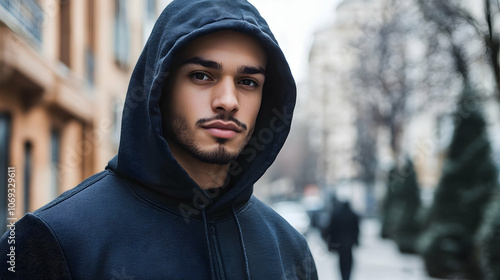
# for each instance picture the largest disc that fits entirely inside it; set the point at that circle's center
(249, 70)
(203, 62)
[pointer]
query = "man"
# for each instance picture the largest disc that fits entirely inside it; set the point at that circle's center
(341, 235)
(208, 108)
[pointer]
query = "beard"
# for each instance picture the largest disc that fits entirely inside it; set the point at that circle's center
(176, 133)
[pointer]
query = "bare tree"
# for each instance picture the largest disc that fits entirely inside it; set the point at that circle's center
(492, 39)
(417, 59)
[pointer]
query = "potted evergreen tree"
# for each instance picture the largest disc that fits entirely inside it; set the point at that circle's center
(407, 226)
(468, 178)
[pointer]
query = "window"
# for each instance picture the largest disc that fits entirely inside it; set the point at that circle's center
(149, 19)
(28, 15)
(55, 143)
(28, 167)
(65, 32)
(151, 9)
(90, 47)
(122, 40)
(5, 131)
(117, 120)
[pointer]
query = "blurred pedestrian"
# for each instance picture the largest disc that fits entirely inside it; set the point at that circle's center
(341, 235)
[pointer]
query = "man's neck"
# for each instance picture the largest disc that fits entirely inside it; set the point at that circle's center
(206, 175)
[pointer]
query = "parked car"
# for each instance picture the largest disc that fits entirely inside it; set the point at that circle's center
(295, 214)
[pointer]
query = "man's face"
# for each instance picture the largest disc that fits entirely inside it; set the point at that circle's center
(213, 97)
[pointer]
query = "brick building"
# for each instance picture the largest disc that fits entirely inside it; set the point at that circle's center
(64, 72)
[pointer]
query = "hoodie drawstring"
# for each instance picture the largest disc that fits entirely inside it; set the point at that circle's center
(212, 272)
(240, 233)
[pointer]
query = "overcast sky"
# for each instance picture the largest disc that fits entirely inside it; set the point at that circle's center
(293, 23)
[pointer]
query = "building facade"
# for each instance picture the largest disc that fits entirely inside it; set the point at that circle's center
(331, 106)
(64, 71)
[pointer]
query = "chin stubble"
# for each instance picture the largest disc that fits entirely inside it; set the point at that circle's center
(176, 133)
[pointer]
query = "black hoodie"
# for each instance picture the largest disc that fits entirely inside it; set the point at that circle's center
(144, 217)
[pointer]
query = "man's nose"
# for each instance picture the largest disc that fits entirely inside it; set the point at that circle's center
(226, 96)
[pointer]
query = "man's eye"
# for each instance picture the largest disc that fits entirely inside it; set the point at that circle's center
(200, 76)
(249, 83)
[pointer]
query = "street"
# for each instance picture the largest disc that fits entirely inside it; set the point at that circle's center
(374, 259)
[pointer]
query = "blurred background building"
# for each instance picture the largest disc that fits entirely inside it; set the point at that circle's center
(403, 107)
(363, 123)
(64, 71)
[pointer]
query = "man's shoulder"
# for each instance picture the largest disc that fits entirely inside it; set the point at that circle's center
(264, 210)
(266, 216)
(91, 193)
(268, 229)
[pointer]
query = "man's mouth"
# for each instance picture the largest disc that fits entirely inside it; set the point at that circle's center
(221, 129)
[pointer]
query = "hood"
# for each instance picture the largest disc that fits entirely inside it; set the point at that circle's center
(144, 155)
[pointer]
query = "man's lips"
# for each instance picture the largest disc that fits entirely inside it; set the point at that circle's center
(220, 129)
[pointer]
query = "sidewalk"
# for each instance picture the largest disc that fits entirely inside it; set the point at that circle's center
(374, 259)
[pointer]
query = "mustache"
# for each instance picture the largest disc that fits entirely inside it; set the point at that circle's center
(222, 117)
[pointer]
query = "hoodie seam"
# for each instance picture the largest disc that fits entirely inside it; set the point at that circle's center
(241, 14)
(75, 192)
(242, 19)
(245, 206)
(57, 240)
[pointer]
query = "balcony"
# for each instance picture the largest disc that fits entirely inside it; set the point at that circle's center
(24, 16)
(26, 73)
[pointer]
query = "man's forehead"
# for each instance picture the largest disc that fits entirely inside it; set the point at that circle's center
(229, 40)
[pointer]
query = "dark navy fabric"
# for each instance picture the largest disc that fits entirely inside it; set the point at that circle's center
(144, 217)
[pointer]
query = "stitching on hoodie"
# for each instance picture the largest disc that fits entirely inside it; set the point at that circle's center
(57, 241)
(246, 205)
(74, 191)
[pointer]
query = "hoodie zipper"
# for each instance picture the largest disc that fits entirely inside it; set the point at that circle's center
(219, 270)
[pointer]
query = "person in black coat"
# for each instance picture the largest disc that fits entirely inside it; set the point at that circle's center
(342, 234)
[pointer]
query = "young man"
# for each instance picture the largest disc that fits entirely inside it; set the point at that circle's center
(208, 108)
